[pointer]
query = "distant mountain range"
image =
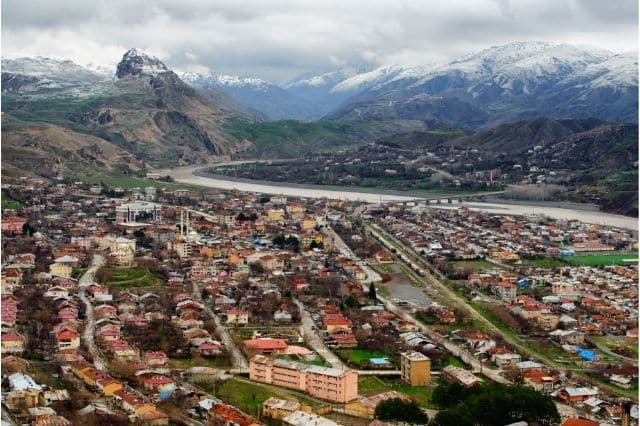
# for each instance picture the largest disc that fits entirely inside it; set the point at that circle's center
(497, 85)
(58, 115)
(501, 84)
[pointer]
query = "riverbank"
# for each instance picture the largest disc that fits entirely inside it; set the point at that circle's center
(195, 175)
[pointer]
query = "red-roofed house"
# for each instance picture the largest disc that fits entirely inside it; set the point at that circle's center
(157, 383)
(228, 415)
(209, 349)
(13, 224)
(154, 359)
(266, 345)
(237, 316)
(68, 339)
(12, 343)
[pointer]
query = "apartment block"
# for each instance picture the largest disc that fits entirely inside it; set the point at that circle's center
(415, 368)
(330, 384)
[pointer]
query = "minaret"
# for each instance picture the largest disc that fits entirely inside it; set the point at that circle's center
(187, 230)
(181, 223)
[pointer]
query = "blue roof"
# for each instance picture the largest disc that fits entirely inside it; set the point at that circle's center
(586, 355)
(379, 361)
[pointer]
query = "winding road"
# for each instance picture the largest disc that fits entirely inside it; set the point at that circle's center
(85, 281)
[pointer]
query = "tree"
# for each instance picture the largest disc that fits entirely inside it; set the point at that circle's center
(493, 404)
(449, 394)
(372, 292)
(27, 229)
(400, 410)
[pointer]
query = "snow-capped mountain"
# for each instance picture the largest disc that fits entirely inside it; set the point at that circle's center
(49, 72)
(507, 83)
(135, 62)
(223, 80)
(318, 87)
(269, 99)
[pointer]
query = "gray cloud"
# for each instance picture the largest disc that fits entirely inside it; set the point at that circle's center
(279, 39)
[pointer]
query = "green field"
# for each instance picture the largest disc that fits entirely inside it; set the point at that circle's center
(544, 262)
(291, 138)
(249, 397)
(582, 259)
(359, 357)
(372, 385)
(130, 277)
(618, 344)
(10, 203)
(318, 361)
(590, 259)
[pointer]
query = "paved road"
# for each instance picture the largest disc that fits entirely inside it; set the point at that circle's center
(237, 357)
(87, 336)
(313, 339)
(372, 276)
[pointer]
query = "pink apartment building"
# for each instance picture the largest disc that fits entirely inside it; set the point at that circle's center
(330, 384)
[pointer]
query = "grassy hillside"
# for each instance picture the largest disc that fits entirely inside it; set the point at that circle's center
(290, 138)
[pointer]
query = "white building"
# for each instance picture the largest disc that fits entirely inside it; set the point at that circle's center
(130, 212)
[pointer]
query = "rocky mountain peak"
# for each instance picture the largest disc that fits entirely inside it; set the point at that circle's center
(135, 62)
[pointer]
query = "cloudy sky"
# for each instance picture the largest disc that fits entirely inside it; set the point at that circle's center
(278, 39)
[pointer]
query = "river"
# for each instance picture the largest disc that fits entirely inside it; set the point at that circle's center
(186, 175)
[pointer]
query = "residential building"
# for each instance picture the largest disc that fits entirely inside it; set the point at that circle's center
(13, 224)
(452, 374)
(12, 343)
(276, 409)
(415, 368)
(122, 251)
(321, 382)
(301, 418)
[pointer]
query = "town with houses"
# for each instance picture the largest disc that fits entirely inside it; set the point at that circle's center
(170, 305)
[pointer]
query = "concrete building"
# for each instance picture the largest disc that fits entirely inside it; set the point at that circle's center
(131, 212)
(276, 409)
(325, 383)
(415, 368)
(459, 375)
(63, 266)
(123, 251)
(301, 418)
